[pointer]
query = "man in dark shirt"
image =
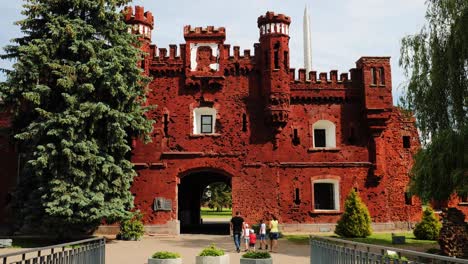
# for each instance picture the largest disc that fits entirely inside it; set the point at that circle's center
(236, 228)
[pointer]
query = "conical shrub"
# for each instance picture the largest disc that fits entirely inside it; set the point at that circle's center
(356, 220)
(429, 227)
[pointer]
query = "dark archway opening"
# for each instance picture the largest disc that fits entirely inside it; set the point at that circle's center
(190, 191)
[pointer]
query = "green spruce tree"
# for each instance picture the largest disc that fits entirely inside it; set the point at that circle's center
(429, 227)
(356, 220)
(77, 93)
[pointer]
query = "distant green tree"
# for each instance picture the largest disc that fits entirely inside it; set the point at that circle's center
(436, 62)
(218, 196)
(429, 227)
(77, 96)
(356, 220)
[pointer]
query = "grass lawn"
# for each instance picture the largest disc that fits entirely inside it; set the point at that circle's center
(211, 213)
(381, 239)
(385, 239)
(33, 242)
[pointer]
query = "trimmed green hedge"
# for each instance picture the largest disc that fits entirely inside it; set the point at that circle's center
(257, 255)
(165, 255)
(211, 251)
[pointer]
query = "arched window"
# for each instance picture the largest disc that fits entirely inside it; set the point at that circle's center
(326, 195)
(204, 119)
(324, 133)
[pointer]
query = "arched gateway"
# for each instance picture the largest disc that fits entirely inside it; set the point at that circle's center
(190, 189)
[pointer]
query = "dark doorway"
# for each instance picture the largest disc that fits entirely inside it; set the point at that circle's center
(190, 191)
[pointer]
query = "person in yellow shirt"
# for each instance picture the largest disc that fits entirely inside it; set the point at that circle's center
(274, 234)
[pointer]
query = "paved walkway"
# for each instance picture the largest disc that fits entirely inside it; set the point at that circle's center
(137, 252)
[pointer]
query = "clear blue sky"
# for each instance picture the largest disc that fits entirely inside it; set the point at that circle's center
(342, 30)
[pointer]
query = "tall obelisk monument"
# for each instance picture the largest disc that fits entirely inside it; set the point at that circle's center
(307, 44)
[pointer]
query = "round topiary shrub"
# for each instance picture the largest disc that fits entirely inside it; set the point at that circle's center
(429, 227)
(356, 220)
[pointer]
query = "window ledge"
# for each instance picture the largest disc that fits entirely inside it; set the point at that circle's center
(204, 135)
(323, 149)
(327, 212)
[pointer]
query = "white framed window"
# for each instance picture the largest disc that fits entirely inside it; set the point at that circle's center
(326, 195)
(324, 134)
(204, 119)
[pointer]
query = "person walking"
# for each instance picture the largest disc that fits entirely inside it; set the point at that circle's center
(237, 223)
(274, 234)
(262, 235)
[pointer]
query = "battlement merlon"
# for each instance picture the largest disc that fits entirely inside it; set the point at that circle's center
(371, 60)
(208, 33)
(139, 17)
(271, 23)
(271, 17)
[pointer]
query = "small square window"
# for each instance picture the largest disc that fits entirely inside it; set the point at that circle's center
(324, 196)
(206, 124)
(382, 76)
(319, 138)
(373, 76)
(408, 198)
(464, 198)
(406, 142)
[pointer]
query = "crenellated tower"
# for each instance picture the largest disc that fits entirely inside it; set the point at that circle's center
(141, 23)
(274, 67)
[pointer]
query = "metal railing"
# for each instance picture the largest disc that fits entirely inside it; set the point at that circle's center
(325, 250)
(88, 251)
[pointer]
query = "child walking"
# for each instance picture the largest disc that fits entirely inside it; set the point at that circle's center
(253, 239)
(246, 235)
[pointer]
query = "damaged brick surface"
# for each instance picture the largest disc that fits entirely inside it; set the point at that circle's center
(263, 139)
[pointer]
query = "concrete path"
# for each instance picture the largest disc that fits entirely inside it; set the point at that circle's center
(137, 252)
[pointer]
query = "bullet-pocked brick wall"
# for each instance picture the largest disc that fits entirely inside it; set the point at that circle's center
(263, 140)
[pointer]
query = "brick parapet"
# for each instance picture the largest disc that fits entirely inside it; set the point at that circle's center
(139, 16)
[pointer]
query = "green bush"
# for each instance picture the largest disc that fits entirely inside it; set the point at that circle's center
(165, 255)
(395, 257)
(429, 227)
(433, 251)
(355, 221)
(257, 255)
(211, 251)
(132, 229)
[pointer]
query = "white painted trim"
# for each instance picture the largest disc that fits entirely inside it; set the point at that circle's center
(193, 55)
(197, 113)
(330, 133)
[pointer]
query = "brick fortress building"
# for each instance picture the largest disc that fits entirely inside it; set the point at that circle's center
(289, 143)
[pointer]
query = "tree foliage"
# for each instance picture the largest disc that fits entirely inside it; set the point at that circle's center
(356, 220)
(76, 92)
(218, 195)
(436, 62)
